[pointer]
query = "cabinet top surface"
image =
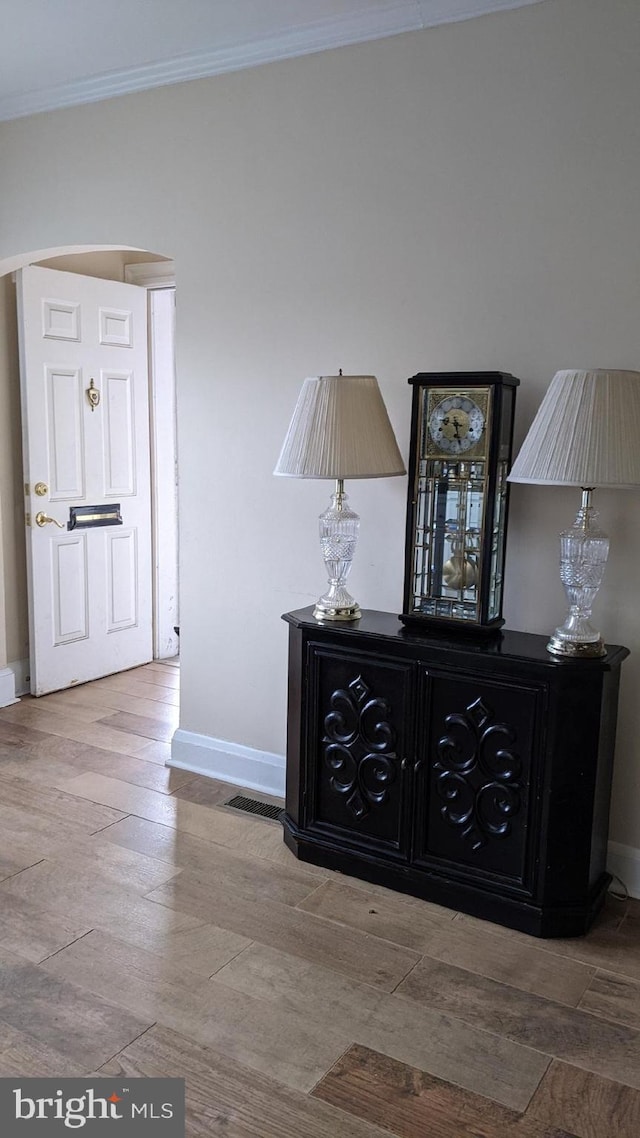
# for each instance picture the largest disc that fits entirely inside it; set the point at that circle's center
(504, 644)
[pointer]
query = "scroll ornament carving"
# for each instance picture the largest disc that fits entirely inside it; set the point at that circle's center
(359, 744)
(479, 775)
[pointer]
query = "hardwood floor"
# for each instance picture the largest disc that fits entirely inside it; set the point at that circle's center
(148, 929)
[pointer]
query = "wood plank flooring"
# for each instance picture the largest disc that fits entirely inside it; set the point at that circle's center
(148, 929)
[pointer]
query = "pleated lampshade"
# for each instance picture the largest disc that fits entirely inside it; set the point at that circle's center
(340, 429)
(586, 432)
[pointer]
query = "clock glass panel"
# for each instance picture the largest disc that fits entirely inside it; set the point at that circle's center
(461, 439)
(447, 541)
(497, 542)
(450, 496)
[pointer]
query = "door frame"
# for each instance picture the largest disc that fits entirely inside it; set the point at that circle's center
(155, 276)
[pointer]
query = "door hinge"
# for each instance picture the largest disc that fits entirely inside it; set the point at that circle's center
(27, 519)
(27, 489)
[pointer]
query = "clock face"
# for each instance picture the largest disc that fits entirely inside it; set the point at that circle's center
(456, 424)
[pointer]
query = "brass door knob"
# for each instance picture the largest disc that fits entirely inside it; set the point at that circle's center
(44, 519)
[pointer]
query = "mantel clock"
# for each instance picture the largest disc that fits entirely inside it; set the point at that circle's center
(461, 441)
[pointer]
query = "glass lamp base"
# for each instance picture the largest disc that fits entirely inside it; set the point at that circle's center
(584, 549)
(338, 535)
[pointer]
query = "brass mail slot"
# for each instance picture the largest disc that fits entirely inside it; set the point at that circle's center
(85, 517)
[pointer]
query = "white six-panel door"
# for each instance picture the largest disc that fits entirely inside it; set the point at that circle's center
(90, 604)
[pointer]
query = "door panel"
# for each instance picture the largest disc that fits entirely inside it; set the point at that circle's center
(119, 435)
(358, 750)
(89, 589)
(478, 784)
(122, 563)
(116, 327)
(60, 321)
(65, 430)
(70, 598)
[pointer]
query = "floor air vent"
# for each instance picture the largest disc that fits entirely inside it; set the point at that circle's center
(254, 806)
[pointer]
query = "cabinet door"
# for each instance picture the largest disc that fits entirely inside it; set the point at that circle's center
(357, 767)
(478, 789)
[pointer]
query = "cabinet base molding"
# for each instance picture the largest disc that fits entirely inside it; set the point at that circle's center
(553, 921)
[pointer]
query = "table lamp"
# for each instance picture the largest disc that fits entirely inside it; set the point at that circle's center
(586, 433)
(340, 429)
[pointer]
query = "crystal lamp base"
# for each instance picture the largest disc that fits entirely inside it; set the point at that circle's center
(584, 549)
(338, 535)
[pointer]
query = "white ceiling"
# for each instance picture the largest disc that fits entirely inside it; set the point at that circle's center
(57, 53)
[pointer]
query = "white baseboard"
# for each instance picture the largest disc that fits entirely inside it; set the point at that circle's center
(624, 862)
(20, 669)
(229, 762)
(7, 687)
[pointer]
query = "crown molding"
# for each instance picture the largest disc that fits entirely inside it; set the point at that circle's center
(350, 28)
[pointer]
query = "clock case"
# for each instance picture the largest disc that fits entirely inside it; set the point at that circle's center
(438, 480)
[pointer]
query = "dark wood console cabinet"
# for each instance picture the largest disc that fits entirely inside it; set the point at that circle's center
(473, 774)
